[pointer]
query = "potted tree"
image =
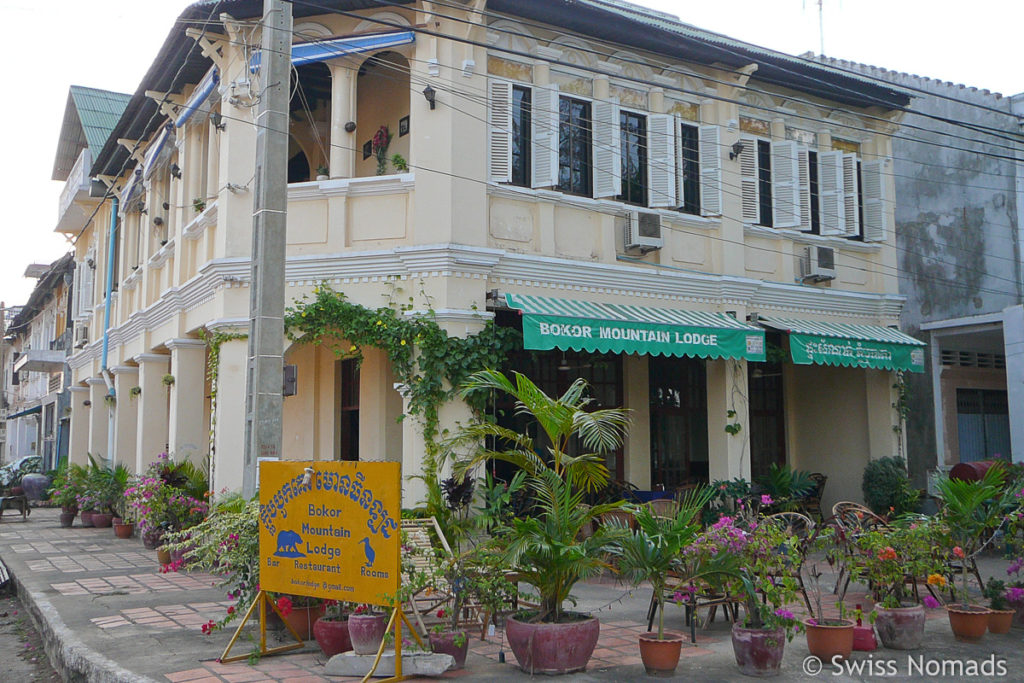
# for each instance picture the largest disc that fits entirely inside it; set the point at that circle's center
(653, 552)
(887, 558)
(972, 510)
(331, 630)
(826, 637)
(67, 486)
(546, 548)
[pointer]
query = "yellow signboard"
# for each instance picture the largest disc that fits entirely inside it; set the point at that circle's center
(330, 529)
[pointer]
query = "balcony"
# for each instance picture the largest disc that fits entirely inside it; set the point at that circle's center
(40, 360)
(76, 201)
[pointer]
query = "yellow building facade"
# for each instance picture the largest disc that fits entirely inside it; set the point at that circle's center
(681, 174)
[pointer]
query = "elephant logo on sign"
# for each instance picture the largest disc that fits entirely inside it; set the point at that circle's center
(288, 544)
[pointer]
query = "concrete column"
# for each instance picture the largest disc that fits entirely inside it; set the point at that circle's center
(729, 454)
(126, 415)
(229, 416)
(79, 442)
(1013, 335)
(380, 438)
(99, 417)
(883, 440)
(187, 433)
(151, 412)
(343, 102)
(636, 381)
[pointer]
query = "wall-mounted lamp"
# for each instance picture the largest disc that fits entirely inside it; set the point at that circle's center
(350, 127)
(218, 121)
(737, 149)
(175, 171)
(86, 403)
(158, 221)
(431, 96)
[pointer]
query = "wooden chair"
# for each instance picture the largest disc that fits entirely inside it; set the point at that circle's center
(622, 518)
(664, 507)
(706, 597)
(851, 519)
(811, 504)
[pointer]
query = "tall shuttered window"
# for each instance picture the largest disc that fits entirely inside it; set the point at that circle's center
(634, 157)
(689, 154)
(764, 182)
(521, 135)
(574, 146)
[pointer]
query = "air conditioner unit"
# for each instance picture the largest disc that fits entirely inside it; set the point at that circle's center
(818, 264)
(81, 336)
(642, 230)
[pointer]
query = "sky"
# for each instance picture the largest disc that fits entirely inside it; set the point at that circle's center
(110, 44)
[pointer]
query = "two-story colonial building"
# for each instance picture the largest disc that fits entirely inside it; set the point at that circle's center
(700, 227)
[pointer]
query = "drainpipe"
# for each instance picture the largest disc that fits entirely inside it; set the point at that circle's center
(111, 249)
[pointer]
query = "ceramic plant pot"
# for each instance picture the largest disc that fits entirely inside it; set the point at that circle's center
(660, 656)
(758, 651)
(124, 530)
(553, 648)
(969, 622)
(447, 642)
(301, 619)
(67, 519)
(332, 636)
(829, 638)
(87, 518)
(900, 628)
(366, 632)
(102, 520)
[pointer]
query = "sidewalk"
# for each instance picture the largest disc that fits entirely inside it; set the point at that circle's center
(106, 613)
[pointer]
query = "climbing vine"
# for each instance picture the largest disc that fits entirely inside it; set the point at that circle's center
(214, 340)
(425, 360)
(902, 407)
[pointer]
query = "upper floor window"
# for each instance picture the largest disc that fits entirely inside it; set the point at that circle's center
(634, 157)
(689, 169)
(521, 132)
(574, 141)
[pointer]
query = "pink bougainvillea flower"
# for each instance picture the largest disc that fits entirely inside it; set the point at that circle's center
(766, 499)
(930, 602)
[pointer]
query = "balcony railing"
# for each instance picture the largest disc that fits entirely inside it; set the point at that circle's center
(76, 203)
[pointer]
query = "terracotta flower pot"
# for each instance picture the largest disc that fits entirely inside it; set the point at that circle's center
(758, 651)
(102, 520)
(163, 556)
(900, 628)
(660, 657)
(124, 530)
(87, 518)
(301, 619)
(829, 638)
(332, 636)
(445, 643)
(67, 519)
(553, 648)
(969, 622)
(1000, 620)
(366, 632)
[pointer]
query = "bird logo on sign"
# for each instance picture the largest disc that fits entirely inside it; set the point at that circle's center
(368, 550)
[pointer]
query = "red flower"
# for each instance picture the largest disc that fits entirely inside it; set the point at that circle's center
(958, 552)
(231, 609)
(284, 605)
(208, 627)
(887, 553)
(441, 614)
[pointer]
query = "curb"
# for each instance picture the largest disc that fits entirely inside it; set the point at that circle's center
(75, 662)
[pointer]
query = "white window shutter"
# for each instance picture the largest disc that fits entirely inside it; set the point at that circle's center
(751, 207)
(874, 200)
(850, 192)
(607, 148)
(803, 163)
(545, 136)
(830, 193)
(785, 185)
(88, 288)
(500, 131)
(76, 292)
(709, 155)
(661, 160)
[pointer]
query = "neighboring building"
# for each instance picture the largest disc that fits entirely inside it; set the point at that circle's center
(959, 203)
(693, 202)
(35, 369)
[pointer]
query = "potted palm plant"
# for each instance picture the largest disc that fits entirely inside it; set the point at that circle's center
(653, 552)
(546, 548)
(972, 510)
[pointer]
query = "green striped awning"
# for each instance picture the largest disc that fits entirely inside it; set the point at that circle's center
(863, 346)
(568, 324)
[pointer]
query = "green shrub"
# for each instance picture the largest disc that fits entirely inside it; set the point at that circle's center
(886, 485)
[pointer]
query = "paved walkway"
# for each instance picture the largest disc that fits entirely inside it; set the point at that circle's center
(107, 613)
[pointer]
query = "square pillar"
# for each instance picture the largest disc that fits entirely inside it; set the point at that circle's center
(125, 416)
(187, 433)
(728, 454)
(99, 419)
(151, 409)
(637, 394)
(343, 102)
(228, 449)
(79, 441)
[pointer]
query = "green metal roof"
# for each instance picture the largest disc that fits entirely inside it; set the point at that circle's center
(849, 345)
(570, 324)
(90, 116)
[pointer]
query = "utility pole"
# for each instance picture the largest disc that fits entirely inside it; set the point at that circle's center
(263, 400)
